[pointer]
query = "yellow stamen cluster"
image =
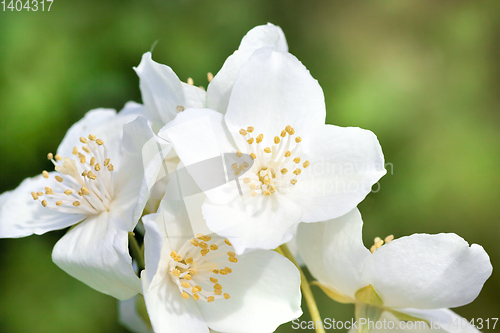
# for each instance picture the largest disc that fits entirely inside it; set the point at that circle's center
(378, 242)
(272, 164)
(90, 190)
(194, 262)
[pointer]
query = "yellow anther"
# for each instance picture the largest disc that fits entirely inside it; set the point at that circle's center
(284, 171)
(267, 193)
(111, 167)
(267, 150)
(187, 277)
(59, 203)
(233, 260)
(45, 174)
(173, 254)
(50, 156)
(106, 162)
(39, 193)
(252, 186)
(190, 81)
(210, 299)
(203, 245)
(259, 138)
(82, 159)
(239, 154)
(252, 156)
(231, 254)
(34, 195)
(226, 296)
(92, 161)
(253, 194)
(84, 173)
(243, 132)
(288, 153)
(245, 165)
(296, 160)
(297, 172)
(99, 142)
(272, 189)
(298, 139)
(185, 285)
(196, 296)
(215, 271)
(267, 181)
(218, 292)
(376, 240)
(178, 258)
(86, 149)
(185, 295)
(179, 108)
(217, 286)
(228, 242)
(283, 133)
(83, 140)
(250, 129)
(210, 77)
(59, 179)
(234, 166)
(247, 180)
(91, 175)
(196, 289)
(76, 203)
(389, 238)
(97, 167)
(229, 270)
(373, 248)
(195, 242)
(213, 280)
(68, 192)
(92, 137)
(80, 193)
(44, 203)
(306, 164)
(277, 139)
(58, 157)
(192, 271)
(85, 191)
(250, 141)
(176, 272)
(214, 247)
(48, 190)
(379, 244)
(223, 272)
(189, 260)
(75, 151)
(293, 181)
(204, 252)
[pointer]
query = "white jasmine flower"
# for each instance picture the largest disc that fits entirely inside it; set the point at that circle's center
(298, 168)
(94, 188)
(414, 277)
(193, 283)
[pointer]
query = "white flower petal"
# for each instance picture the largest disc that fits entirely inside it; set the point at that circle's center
(106, 124)
(268, 228)
(428, 271)
(219, 90)
(199, 137)
(161, 90)
(130, 318)
(443, 320)
(21, 216)
(155, 240)
(265, 293)
(169, 312)
(345, 163)
(334, 252)
(96, 253)
(194, 96)
(272, 91)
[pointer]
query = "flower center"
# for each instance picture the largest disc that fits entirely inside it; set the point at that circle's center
(378, 242)
(195, 267)
(272, 167)
(84, 183)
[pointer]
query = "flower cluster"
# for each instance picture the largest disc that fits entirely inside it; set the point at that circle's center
(176, 206)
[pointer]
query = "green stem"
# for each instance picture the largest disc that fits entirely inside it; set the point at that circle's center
(306, 289)
(137, 253)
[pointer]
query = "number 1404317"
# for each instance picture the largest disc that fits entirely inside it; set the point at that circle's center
(26, 5)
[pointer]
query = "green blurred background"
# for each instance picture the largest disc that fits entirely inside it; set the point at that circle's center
(423, 75)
